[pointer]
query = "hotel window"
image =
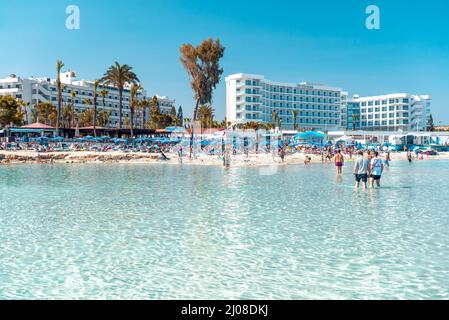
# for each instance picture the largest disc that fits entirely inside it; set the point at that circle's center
(391, 108)
(377, 103)
(370, 103)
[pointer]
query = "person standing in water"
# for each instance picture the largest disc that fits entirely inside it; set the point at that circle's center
(387, 159)
(409, 156)
(339, 161)
(361, 170)
(376, 169)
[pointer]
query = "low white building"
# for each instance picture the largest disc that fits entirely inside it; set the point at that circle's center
(37, 90)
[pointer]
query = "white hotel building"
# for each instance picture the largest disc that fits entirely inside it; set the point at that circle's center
(394, 112)
(253, 98)
(36, 90)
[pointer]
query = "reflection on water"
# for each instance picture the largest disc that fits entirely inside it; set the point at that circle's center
(182, 232)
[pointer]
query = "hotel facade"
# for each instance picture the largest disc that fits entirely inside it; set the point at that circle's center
(251, 97)
(44, 90)
(254, 98)
(394, 112)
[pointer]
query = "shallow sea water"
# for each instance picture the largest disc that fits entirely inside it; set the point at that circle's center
(188, 232)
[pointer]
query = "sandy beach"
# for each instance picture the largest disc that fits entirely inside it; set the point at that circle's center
(76, 157)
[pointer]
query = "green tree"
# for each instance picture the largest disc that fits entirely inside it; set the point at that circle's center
(103, 118)
(59, 66)
(202, 64)
(46, 113)
(87, 118)
(68, 116)
(10, 111)
(430, 125)
(133, 104)
(155, 112)
(295, 118)
(180, 117)
(355, 117)
(205, 115)
(143, 105)
(274, 118)
(118, 76)
(96, 84)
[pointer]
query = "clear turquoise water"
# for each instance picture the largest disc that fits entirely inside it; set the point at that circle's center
(152, 232)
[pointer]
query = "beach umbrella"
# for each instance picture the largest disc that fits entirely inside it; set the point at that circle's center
(57, 139)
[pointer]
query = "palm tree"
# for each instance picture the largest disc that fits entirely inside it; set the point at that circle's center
(205, 114)
(24, 108)
(103, 94)
(87, 118)
(103, 118)
(96, 84)
(154, 112)
(274, 117)
(59, 66)
(118, 76)
(47, 113)
(68, 115)
(295, 118)
(132, 104)
(355, 116)
(87, 114)
(143, 105)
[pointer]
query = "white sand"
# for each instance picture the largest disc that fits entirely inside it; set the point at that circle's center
(24, 156)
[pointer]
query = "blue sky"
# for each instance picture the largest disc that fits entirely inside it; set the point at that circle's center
(289, 41)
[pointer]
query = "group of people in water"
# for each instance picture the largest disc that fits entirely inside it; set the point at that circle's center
(367, 166)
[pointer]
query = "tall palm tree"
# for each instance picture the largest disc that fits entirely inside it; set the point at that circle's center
(143, 105)
(96, 84)
(295, 118)
(274, 117)
(87, 116)
(132, 104)
(68, 116)
(103, 94)
(118, 76)
(59, 66)
(355, 116)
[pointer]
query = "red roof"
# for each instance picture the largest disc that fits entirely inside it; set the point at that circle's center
(37, 125)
